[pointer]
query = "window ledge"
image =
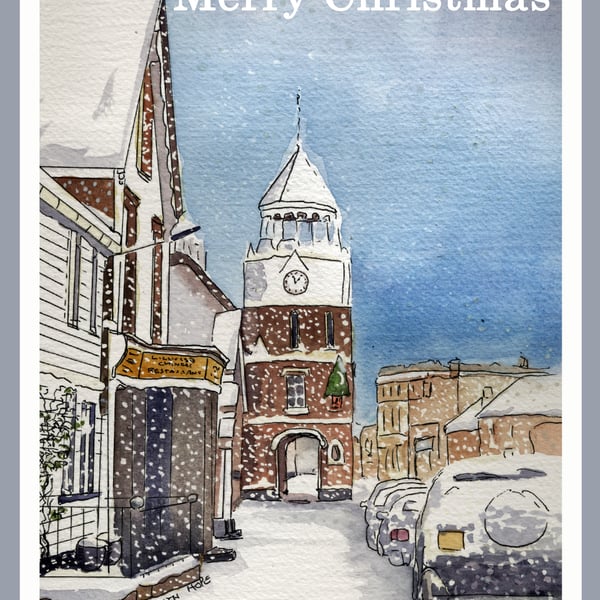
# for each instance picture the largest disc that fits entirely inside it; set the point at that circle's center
(65, 499)
(296, 411)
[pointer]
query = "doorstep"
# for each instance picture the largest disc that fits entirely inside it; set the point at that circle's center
(62, 585)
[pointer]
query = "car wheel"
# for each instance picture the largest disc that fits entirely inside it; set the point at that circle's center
(431, 585)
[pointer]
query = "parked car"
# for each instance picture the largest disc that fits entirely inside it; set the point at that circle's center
(382, 498)
(491, 526)
(396, 538)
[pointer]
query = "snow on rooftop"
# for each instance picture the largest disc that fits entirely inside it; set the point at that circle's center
(467, 420)
(92, 59)
(299, 184)
(531, 395)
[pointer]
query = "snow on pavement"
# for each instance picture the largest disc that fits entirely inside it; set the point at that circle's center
(298, 551)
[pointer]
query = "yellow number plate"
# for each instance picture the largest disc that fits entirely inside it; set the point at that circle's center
(451, 540)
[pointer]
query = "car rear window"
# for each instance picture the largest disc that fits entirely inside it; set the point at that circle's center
(523, 473)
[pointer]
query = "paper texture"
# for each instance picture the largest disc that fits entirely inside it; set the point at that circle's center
(300, 299)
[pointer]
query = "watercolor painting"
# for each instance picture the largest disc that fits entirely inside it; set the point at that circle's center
(300, 299)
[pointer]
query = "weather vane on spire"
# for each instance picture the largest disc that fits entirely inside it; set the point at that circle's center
(298, 114)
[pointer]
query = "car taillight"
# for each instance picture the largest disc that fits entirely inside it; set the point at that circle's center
(451, 540)
(399, 535)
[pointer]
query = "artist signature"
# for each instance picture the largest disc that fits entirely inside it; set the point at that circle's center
(192, 587)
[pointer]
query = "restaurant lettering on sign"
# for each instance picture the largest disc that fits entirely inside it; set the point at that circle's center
(140, 364)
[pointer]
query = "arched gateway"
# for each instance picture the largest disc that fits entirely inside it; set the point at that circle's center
(298, 456)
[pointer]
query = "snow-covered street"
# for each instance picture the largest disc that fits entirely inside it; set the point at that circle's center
(301, 550)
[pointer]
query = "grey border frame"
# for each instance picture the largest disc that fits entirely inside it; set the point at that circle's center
(9, 241)
(590, 292)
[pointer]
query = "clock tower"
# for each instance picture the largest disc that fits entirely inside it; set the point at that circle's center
(297, 339)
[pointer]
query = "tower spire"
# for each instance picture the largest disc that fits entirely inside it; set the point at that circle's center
(298, 96)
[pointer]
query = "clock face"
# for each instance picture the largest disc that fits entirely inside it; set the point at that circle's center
(295, 282)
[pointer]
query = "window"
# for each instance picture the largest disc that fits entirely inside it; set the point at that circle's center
(426, 389)
(398, 455)
(289, 227)
(336, 453)
(78, 475)
(329, 333)
(336, 403)
(424, 444)
(402, 418)
(74, 279)
(94, 292)
(296, 397)
(294, 330)
(82, 283)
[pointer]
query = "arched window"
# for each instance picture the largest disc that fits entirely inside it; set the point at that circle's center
(294, 330)
(289, 226)
(335, 453)
(329, 333)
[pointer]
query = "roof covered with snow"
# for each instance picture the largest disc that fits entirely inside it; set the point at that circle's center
(464, 368)
(92, 59)
(532, 395)
(298, 185)
(467, 420)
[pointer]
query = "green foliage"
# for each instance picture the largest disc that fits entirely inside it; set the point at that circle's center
(337, 384)
(57, 513)
(55, 430)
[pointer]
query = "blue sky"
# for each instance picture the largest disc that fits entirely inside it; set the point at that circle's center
(439, 135)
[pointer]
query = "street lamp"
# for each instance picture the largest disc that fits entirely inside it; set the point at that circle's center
(174, 237)
(184, 233)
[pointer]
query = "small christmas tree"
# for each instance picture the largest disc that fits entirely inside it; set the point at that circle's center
(337, 384)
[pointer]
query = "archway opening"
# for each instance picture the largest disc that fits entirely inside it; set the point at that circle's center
(299, 459)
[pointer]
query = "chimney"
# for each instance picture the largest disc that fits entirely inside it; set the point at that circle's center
(488, 392)
(523, 362)
(454, 367)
